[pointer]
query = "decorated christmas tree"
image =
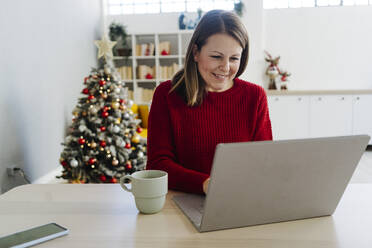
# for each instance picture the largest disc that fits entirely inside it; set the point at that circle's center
(103, 141)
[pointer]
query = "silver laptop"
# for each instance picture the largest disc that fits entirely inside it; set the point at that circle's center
(272, 181)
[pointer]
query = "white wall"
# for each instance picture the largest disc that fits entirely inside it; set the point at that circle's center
(46, 48)
(323, 48)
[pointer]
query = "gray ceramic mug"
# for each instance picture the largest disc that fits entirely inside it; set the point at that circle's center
(149, 188)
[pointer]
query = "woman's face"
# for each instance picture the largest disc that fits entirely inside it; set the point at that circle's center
(218, 61)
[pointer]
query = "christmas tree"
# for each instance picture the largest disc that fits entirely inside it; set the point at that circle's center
(103, 141)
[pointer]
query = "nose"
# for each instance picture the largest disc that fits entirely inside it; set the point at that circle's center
(225, 65)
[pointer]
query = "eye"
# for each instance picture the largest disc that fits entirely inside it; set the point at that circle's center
(234, 58)
(216, 56)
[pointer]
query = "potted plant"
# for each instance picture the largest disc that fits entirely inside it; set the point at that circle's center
(239, 8)
(118, 33)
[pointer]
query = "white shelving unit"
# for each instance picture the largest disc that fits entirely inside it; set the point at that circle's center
(179, 41)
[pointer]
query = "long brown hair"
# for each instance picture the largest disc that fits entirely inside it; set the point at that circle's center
(187, 81)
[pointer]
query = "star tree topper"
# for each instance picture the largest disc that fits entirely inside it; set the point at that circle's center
(105, 47)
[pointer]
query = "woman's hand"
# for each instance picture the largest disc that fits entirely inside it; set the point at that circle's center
(205, 185)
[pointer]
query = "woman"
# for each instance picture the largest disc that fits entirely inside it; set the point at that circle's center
(206, 104)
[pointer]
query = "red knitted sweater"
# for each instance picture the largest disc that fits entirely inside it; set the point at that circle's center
(182, 139)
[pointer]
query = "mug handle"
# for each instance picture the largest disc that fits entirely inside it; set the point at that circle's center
(122, 184)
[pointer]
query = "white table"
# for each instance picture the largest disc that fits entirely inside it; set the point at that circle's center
(105, 216)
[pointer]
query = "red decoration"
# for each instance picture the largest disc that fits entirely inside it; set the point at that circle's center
(113, 180)
(105, 114)
(103, 128)
(92, 161)
(105, 109)
(81, 141)
(103, 178)
(164, 52)
(90, 97)
(102, 143)
(121, 101)
(127, 145)
(128, 166)
(102, 82)
(64, 163)
(139, 130)
(149, 76)
(86, 91)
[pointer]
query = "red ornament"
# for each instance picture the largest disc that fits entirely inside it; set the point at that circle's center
(127, 145)
(105, 114)
(128, 166)
(90, 97)
(113, 180)
(121, 101)
(105, 109)
(92, 161)
(86, 79)
(102, 143)
(102, 82)
(81, 141)
(64, 163)
(149, 76)
(164, 53)
(103, 128)
(139, 130)
(86, 91)
(103, 178)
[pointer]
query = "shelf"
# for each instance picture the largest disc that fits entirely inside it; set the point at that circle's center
(168, 56)
(121, 57)
(145, 57)
(163, 66)
(146, 80)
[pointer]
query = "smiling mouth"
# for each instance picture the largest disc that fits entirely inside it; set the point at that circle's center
(219, 76)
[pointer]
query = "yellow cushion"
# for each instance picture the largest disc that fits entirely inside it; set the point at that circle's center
(144, 115)
(134, 108)
(143, 134)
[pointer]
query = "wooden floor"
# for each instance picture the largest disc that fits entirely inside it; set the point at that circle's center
(363, 173)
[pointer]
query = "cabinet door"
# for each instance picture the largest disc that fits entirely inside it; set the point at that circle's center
(289, 116)
(330, 115)
(362, 117)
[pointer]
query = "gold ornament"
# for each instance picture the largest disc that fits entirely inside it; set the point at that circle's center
(104, 95)
(84, 113)
(101, 149)
(115, 162)
(118, 121)
(93, 144)
(75, 113)
(136, 138)
(115, 105)
(105, 47)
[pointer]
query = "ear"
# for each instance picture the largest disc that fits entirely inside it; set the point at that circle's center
(195, 53)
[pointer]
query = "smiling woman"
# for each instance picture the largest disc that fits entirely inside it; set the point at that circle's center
(205, 104)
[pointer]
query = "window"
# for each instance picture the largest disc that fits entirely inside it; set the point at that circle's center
(123, 7)
(277, 4)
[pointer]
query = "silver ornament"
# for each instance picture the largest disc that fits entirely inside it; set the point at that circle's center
(140, 154)
(74, 163)
(116, 129)
(82, 128)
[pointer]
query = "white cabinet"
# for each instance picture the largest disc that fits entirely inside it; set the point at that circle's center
(330, 115)
(302, 115)
(289, 116)
(362, 116)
